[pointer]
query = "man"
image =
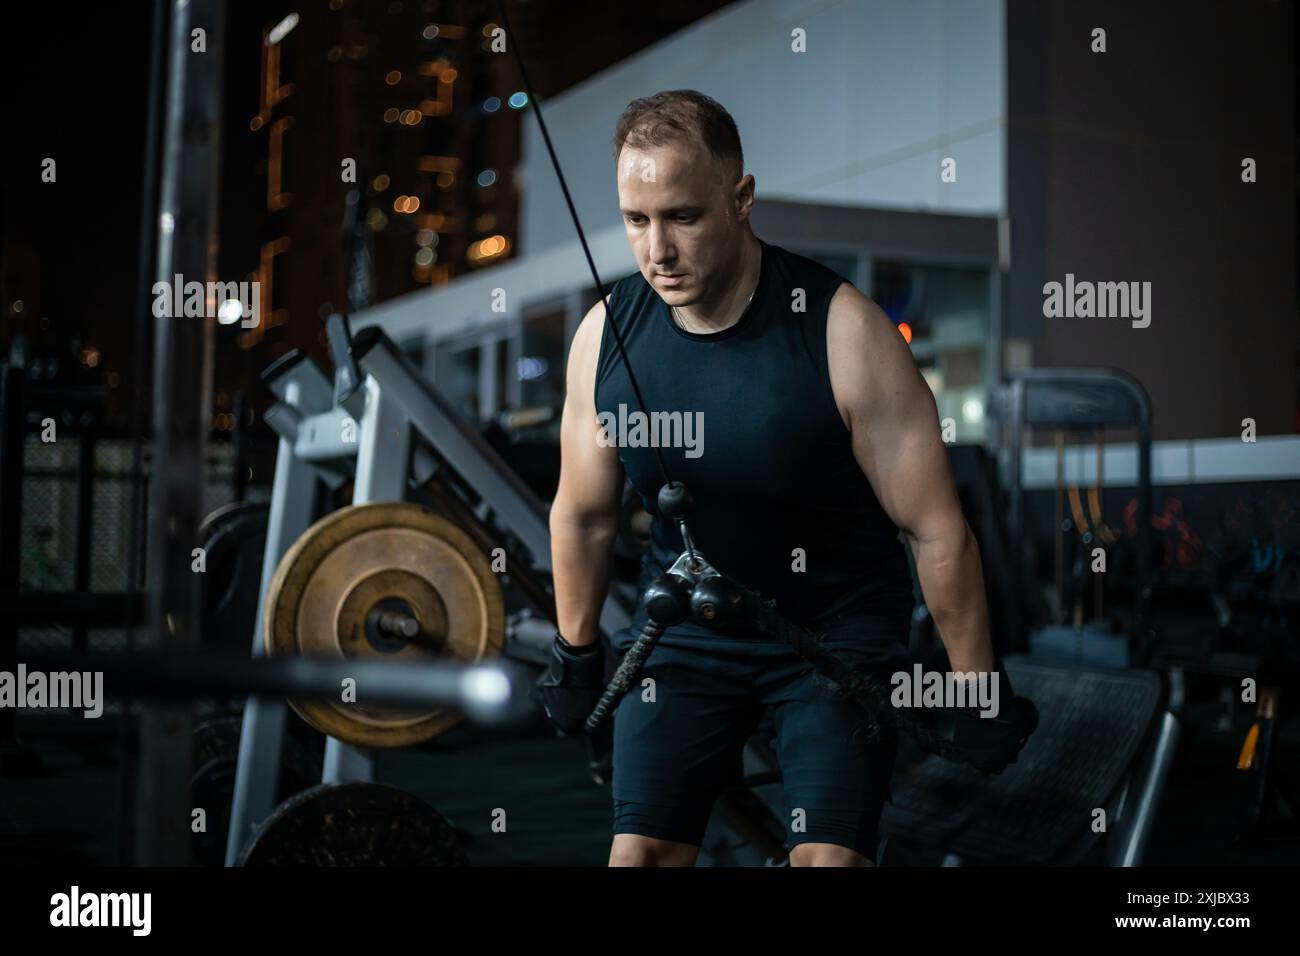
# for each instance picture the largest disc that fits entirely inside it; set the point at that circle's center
(819, 440)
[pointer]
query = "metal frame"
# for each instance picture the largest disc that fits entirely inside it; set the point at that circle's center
(488, 341)
(1074, 397)
(394, 401)
(383, 463)
(302, 390)
(1127, 842)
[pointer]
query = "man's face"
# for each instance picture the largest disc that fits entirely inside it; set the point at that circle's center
(682, 219)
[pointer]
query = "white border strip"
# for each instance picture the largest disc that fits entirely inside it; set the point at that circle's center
(1198, 461)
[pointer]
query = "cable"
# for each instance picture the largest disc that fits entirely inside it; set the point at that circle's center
(573, 212)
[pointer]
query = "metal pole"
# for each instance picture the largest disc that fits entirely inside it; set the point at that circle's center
(140, 396)
(495, 692)
(181, 402)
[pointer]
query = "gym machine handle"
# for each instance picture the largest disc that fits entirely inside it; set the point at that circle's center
(628, 671)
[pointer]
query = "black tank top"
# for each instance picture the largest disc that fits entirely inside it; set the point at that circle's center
(766, 455)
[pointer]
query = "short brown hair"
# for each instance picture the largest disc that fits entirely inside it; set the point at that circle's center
(682, 114)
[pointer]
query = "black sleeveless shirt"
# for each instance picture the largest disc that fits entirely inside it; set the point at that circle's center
(781, 504)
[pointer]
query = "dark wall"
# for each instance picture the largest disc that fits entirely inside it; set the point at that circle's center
(1126, 166)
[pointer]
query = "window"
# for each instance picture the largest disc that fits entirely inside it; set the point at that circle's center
(540, 368)
(456, 377)
(844, 265)
(947, 313)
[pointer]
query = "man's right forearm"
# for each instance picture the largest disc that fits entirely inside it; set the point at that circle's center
(581, 556)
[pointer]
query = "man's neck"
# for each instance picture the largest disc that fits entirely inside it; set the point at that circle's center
(724, 311)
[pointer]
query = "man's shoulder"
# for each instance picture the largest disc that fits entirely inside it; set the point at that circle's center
(629, 289)
(799, 268)
(850, 303)
(857, 321)
(621, 293)
(869, 359)
(626, 300)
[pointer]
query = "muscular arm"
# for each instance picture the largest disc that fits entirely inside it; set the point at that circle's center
(584, 516)
(894, 423)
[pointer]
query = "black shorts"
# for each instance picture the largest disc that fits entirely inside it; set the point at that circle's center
(678, 742)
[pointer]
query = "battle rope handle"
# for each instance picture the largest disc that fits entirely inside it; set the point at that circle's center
(626, 675)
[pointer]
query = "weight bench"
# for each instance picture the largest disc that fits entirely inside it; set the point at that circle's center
(1104, 740)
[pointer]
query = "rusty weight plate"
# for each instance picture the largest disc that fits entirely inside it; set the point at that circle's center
(355, 824)
(389, 561)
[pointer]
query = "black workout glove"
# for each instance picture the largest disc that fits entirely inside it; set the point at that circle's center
(572, 684)
(990, 743)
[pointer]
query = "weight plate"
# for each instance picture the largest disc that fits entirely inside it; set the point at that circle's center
(234, 542)
(341, 586)
(215, 748)
(355, 824)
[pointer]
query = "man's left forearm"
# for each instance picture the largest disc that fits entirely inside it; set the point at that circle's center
(952, 582)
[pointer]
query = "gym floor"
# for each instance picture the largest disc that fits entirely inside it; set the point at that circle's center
(554, 813)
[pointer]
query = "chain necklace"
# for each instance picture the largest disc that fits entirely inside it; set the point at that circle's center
(682, 325)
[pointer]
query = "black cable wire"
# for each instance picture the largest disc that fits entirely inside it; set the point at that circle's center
(582, 237)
